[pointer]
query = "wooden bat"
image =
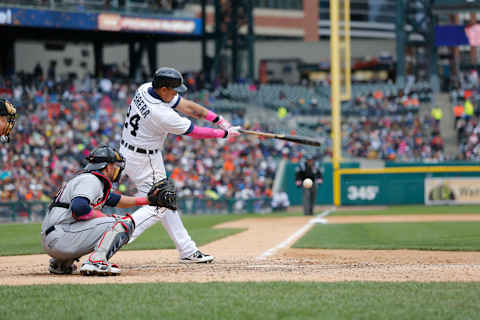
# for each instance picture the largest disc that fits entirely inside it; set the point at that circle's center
(296, 139)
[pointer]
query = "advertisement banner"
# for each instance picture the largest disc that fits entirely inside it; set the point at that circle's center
(117, 22)
(48, 19)
(102, 21)
(452, 190)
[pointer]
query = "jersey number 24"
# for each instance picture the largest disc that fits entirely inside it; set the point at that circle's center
(132, 121)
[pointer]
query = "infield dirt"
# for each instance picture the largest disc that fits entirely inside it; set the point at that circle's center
(241, 258)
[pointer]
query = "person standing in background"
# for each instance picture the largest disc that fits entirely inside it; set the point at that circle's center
(308, 169)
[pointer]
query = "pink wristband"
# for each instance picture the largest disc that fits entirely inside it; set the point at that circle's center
(139, 201)
(211, 116)
(206, 133)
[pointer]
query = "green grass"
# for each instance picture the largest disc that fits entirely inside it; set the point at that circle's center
(18, 239)
(270, 300)
(411, 209)
(422, 235)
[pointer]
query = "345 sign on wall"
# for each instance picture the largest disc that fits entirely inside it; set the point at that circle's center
(366, 193)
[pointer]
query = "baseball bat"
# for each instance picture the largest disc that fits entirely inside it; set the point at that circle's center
(296, 139)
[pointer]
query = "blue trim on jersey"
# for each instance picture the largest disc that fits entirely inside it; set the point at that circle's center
(154, 94)
(176, 103)
(80, 206)
(113, 199)
(190, 129)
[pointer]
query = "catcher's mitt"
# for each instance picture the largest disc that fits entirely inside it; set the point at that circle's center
(163, 194)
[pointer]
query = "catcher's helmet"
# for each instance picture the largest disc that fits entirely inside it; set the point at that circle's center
(101, 157)
(7, 110)
(170, 78)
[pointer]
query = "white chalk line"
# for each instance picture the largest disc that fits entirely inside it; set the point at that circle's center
(284, 244)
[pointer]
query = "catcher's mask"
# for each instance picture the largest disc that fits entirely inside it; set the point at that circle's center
(101, 157)
(8, 111)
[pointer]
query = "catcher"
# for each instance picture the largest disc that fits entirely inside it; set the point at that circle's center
(7, 120)
(75, 226)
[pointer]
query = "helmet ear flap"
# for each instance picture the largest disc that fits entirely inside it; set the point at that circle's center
(116, 174)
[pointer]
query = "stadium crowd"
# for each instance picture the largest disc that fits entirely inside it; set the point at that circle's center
(390, 128)
(402, 138)
(61, 121)
(465, 101)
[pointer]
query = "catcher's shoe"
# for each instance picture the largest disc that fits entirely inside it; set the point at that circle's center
(56, 267)
(198, 257)
(99, 269)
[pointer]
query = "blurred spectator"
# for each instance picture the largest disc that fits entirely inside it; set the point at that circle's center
(458, 110)
(468, 109)
(437, 115)
(280, 201)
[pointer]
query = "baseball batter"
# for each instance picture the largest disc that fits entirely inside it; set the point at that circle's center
(7, 120)
(75, 226)
(152, 115)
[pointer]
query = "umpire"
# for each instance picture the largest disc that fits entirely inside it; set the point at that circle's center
(308, 169)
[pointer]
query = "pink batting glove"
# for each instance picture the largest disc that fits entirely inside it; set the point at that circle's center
(224, 124)
(233, 132)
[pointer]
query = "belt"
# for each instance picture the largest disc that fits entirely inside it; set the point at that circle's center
(139, 150)
(50, 229)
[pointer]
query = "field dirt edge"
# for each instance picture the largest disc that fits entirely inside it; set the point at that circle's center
(241, 257)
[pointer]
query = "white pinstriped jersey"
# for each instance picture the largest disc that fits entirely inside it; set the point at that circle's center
(149, 119)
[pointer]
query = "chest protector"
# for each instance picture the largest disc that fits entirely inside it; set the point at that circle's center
(107, 187)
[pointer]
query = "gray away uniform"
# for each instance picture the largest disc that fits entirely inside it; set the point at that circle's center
(69, 239)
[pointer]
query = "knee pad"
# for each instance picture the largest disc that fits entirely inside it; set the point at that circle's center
(113, 239)
(126, 222)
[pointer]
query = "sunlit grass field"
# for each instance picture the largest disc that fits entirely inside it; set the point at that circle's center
(263, 300)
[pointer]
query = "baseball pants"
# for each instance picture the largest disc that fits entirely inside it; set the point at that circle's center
(71, 241)
(144, 170)
(309, 195)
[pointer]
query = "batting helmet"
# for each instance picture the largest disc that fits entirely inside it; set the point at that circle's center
(101, 157)
(170, 78)
(7, 110)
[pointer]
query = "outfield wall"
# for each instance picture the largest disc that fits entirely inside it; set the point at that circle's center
(396, 184)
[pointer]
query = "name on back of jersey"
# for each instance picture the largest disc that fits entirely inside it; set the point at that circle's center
(141, 105)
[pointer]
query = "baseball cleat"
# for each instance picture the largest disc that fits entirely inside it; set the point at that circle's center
(55, 267)
(99, 269)
(197, 257)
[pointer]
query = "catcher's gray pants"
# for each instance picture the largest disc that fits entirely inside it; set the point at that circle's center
(71, 241)
(309, 200)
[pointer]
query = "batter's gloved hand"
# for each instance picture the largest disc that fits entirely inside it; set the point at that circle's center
(233, 132)
(163, 194)
(224, 124)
